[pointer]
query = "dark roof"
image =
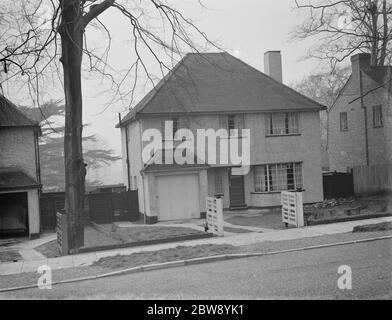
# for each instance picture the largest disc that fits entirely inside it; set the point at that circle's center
(381, 75)
(11, 116)
(14, 179)
(218, 82)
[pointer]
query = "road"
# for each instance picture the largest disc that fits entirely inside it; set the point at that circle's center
(311, 274)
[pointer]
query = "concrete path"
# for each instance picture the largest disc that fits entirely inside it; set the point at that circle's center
(236, 240)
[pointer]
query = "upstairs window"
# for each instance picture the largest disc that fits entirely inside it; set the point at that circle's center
(343, 121)
(231, 123)
(175, 125)
(282, 123)
(377, 116)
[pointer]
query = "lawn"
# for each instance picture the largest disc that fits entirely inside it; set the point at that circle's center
(166, 255)
(110, 235)
(10, 256)
(145, 233)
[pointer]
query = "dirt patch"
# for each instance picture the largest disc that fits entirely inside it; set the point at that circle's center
(166, 255)
(10, 256)
(384, 226)
(268, 220)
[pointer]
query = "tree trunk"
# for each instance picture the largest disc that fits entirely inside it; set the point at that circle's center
(384, 45)
(71, 32)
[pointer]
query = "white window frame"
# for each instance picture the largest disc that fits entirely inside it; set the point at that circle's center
(287, 129)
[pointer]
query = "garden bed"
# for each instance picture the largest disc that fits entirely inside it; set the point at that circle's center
(341, 210)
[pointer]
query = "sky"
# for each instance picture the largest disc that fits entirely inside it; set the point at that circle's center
(244, 28)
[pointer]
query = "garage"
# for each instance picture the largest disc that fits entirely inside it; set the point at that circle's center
(13, 214)
(178, 197)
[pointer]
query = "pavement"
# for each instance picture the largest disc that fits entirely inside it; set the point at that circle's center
(34, 260)
(311, 274)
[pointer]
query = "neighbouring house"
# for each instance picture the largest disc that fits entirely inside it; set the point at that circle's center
(218, 91)
(19, 172)
(360, 119)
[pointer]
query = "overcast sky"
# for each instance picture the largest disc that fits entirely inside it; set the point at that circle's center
(245, 28)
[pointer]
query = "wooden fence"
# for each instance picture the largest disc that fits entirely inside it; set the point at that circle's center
(374, 179)
(99, 207)
(338, 185)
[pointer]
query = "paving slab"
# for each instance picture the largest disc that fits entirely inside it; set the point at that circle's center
(32, 266)
(11, 268)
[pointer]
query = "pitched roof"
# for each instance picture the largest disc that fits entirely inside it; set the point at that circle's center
(382, 75)
(218, 82)
(11, 116)
(14, 179)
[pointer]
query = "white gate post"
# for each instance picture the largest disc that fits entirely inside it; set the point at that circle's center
(299, 209)
(219, 213)
(214, 215)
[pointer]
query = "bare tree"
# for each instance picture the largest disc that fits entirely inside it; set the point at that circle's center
(344, 27)
(324, 88)
(36, 34)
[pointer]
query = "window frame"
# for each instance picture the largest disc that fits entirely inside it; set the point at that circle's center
(343, 129)
(270, 184)
(270, 131)
(377, 107)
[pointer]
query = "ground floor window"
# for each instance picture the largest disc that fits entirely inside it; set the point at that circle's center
(278, 177)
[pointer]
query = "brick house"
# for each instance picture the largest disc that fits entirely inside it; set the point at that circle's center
(218, 91)
(19, 172)
(360, 120)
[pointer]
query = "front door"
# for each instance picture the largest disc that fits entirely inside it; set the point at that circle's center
(237, 193)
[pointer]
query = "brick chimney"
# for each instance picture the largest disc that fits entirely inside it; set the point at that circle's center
(273, 65)
(360, 61)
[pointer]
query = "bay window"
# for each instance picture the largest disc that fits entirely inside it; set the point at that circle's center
(278, 177)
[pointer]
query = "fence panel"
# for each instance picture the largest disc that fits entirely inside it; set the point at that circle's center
(338, 185)
(101, 207)
(372, 179)
(50, 203)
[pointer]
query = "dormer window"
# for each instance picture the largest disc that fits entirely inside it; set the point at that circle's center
(282, 123)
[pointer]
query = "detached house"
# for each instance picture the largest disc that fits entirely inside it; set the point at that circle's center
(214, 91)
(19, 172)
(360, 120)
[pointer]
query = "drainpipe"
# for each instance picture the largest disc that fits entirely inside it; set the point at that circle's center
(142, 172)
(38, 171)
(127, 151)
(365, 117)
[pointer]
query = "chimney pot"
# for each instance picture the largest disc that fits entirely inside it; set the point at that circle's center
(273, 65)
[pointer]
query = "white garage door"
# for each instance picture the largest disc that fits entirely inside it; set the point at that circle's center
(178, 197)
